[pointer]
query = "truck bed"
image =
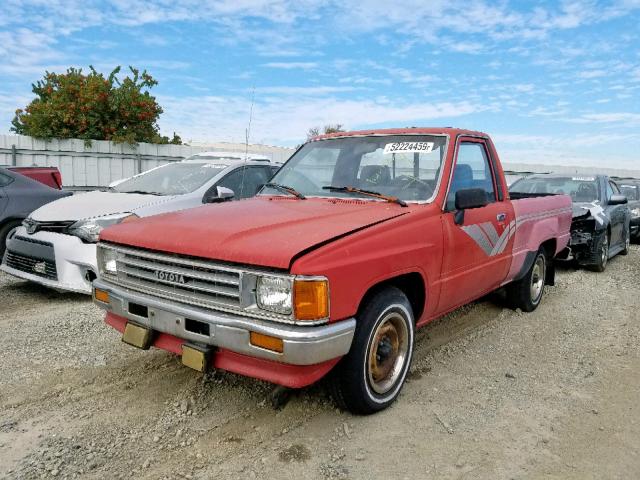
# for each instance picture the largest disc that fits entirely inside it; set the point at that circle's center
(49, 176)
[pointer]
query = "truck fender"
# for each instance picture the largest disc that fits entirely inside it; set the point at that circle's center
(530, 257)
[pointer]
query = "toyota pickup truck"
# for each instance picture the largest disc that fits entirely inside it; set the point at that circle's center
(359, 239)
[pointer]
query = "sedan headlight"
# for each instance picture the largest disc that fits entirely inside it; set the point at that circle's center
(89, 230)
(306, 298)
(635, 212)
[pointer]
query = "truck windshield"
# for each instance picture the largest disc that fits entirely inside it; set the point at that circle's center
(402, 166)
(581, 189)
(171, 179)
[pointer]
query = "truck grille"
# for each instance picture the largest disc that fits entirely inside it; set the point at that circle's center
(190, 281)
(35, 266)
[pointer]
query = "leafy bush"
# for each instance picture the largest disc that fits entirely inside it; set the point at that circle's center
(92, 107)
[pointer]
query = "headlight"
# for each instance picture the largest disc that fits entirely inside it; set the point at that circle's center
(107, 261)
(307, 298)
(635, 213)
(89, 230)
(274, 294)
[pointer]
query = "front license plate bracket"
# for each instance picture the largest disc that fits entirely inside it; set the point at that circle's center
(196, 357)
(137, 336)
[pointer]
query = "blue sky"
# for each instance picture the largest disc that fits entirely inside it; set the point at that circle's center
(553, 82)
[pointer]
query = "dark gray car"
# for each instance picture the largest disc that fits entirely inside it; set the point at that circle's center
(601, 217)
(630, 188)
(19, 196)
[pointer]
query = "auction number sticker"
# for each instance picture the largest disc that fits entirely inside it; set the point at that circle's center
(408, 147)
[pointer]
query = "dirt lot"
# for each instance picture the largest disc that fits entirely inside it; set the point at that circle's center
(493, 394)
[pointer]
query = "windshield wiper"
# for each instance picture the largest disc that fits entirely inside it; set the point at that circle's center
(286, 189)
(141, 192)
(369, 193)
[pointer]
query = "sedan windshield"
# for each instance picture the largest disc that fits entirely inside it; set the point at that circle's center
(406, 167)
(171, 179)
(581, 189)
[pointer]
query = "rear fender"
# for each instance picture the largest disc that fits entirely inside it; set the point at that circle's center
(529, 237)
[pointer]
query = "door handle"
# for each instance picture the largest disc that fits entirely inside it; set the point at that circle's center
(501, 217)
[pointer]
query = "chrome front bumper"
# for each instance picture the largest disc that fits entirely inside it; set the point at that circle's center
(303, 345)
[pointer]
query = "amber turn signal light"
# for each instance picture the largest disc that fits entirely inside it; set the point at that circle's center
(267, 342)
(101, 295)
(311, 299)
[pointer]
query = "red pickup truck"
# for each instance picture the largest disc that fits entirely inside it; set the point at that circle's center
(358, 240)
(49, 176)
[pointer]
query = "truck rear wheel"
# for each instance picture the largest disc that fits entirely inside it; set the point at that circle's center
(369, 378)
(527, 292)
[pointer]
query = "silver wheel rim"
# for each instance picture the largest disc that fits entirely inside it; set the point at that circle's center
(537, 279)
(387, 353)
(627, 242)
(604, 254)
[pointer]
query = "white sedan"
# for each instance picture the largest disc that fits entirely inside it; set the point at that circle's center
(56, 245)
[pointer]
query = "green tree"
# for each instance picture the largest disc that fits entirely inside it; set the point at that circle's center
(93, 107)
(315, 131)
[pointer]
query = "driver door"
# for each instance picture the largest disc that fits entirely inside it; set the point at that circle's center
(477, 254)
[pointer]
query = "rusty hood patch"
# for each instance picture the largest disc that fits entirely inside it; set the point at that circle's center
(265, 231)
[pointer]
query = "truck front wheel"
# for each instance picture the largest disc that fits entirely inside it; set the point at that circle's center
(527, 292)
(369, 378)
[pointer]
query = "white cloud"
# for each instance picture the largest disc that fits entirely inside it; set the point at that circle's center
(587, 74)
(286, 119)
(291, 65)
(304, 91)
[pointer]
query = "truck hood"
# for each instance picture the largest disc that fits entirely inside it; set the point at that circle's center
(264, 231)
(94, 204)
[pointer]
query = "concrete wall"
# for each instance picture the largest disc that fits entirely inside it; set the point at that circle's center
(103, 162)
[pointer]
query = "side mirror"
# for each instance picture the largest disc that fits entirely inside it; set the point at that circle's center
(618, 200)
(467, 199)
(222, 195)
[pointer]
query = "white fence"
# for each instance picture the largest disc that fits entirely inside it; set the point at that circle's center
(102, 162)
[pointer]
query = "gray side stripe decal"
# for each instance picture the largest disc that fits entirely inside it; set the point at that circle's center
(486, 236)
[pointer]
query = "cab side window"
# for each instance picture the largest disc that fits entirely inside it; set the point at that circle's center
(472, 170)
(612, 189)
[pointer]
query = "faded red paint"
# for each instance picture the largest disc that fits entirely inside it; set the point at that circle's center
(359, 244)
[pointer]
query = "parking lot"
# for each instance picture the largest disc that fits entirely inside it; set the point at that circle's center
(493, 394)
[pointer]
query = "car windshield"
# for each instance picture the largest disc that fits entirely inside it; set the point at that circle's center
(171, 179)
(581, 189)
(402, 166)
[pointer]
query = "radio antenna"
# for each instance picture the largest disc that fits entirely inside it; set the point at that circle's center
(247, 134)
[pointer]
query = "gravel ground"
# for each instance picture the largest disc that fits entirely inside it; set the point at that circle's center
(493, 394)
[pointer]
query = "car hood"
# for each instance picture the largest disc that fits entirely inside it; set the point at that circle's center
(265, 231)
(94, 204)
(583, 210)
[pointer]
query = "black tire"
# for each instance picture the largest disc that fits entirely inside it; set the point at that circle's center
(385, 323)
(4, 232)
(526, 293)
(601, 255)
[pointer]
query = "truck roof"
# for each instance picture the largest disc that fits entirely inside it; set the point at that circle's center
(403, 131)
